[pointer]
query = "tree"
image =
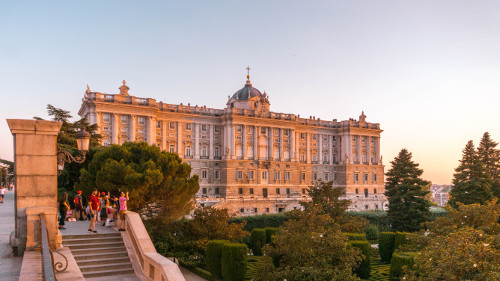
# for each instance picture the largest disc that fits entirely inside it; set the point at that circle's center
(406, 192)
(310, 246)
(490, 157)
(158, 182)
(471, 183)
(327, 197)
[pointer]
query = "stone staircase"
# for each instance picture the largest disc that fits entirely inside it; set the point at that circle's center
(99, 255)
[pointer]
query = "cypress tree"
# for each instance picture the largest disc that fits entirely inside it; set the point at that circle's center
(470, 181)
(490, 157)
(406, 192)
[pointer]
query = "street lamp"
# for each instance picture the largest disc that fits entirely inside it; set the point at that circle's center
(82, 141)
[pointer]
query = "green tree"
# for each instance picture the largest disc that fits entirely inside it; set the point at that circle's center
(471, 183)
(490, 157)
(158, 182)
(406, 191)
(309, 246)
(327, 198)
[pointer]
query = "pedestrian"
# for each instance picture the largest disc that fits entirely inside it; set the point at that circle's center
(2, 194)
(79, 212)
(123, 209)
(94, 208)
(63, 209)
(104, 208)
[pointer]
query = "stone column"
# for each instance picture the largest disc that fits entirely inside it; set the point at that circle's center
(35, 165)
(330, 149)
(211, 139)
(256, 142)
(114, 136)
(180, 146)
(132, 120)
(293, 154)
(98, 121)
(197, 141)
(320, 160)
(308, 148)
(225, 142)
(282, 143)
(369, 150)
(164, 135)
(270, 145)
(244, 141)
(151, 134)
(377, 150)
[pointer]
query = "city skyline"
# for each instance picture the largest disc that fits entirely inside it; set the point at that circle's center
(426, 71)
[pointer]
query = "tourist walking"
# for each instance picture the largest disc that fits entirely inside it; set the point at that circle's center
(63, 209)
(2, 194)
(94, 208)
(123, 209)
(104, 208)
(79, 212)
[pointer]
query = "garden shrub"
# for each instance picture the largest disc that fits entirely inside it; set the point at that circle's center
(270, 232)
(400, 239)
(213, 257)
(261, 221)
(234, 261)
(372, 232)
(379, 218)
(355, 236)
(386, 245)
(363, 271)
(258, 238)
(398, 261)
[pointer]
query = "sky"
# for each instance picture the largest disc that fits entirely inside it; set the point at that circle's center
(427, 71)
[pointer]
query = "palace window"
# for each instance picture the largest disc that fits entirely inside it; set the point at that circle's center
(216, 129)
(288, 191)
(303, 176)
(238, 128)
(255, 210)
(204, 174)
(264, 192)
(204, 190)
(276, 175)
(251, 190)
(124, 119)
(355, 177)
(217, 191)
(374, 177)
(188, 150)
(217, 152)
(240, 190)
(250, 175)
(217, 174)
(278, 191)
(172, 125)
(286, 132)
(242, 210)
(203, 128)
(315, 176)
(188, 126)
(106, 117)
(366, 192)
(315, 157)
(141, 120)
(335, 177)
(315, 136)
(357, 191)
(263, 130)
(374, 191)
(171, 149)
(287, 176)
(264, 175)
(158, 124)
(267, 210)
(325, 138)
(204, 151)
(302, 136)
(325, 158)
(326, 177)
(239, 175)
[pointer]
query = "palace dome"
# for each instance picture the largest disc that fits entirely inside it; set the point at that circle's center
(247, 92)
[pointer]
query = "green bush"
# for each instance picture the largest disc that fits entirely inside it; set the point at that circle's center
(198, 271)
(400, 239)
(234, 261)
(355, 236)
(371, 232)
(363, 271)
(374, 217)
(270, 232)
(386, 245)
(213, 257)
(398, 261)
(261, 221)
(258, 238)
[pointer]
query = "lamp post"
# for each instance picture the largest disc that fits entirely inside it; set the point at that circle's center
(82, 141)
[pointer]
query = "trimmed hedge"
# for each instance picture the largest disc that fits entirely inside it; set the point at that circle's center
(374, 217)
(372, 232)
(355, 236)
(258, 238)
(261, 221)
(234, 261)
(198, 271)
(213, 257)
(386, 245)
(400, 239)
(363, 271)
(270, 232)
(398, 261)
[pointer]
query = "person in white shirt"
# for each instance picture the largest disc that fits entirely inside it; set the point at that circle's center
(2, 193)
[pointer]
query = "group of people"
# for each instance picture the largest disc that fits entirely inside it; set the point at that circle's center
(102, 208)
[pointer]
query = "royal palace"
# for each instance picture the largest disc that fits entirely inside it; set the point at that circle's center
(249, 159)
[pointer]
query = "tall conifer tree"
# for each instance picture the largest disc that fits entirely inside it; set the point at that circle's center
(490, 157)
(470, 181)
(406, 193)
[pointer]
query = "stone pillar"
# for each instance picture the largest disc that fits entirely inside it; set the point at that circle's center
(369, 150)
(132, 120)
(359, 148)
(330, 150)
(35, 165)
(98, 121)
(197, 141)
(270, 145)
(256, 142)
(320, 160)
(293, 154)
(232, 137)
(244, 141)
(225, 142)
(282, 143)
(151, 130)
(308, 148)
(377, 151)
(164, 135)
(211, 145)
(116, 122)
(180, 146)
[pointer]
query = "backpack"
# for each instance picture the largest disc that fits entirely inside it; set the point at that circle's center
(76, 200)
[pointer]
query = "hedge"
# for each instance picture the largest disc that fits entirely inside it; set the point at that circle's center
(258, 238)
(398, 261)
(355, 236)
(213, 257)
(371, 232)
(386, 245)
(261, 221)
(400, 239)
(363, 271)
(234, 261)
(270, 232)
(198, 271)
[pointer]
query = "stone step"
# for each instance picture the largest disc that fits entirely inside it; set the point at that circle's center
(91, 235)
(105, 267)
(82, 257)
(89, 251)
(92, 240)
(103, 260)
(108, 272)
(95, 246)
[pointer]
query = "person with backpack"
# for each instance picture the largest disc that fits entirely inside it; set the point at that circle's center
(63, 209)
(94, 208)
(79, 212)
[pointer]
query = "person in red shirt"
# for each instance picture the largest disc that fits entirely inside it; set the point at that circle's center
(94, 208)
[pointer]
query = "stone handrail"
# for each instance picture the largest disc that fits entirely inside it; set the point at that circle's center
(154, 266)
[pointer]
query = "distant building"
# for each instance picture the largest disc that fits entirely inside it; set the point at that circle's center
(440, 194)
(249, 159)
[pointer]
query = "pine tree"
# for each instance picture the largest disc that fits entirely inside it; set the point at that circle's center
(406, 192)
(490, 157)
(470, 181)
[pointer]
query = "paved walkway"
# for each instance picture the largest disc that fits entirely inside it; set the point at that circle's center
(81, 227)
(10, 266)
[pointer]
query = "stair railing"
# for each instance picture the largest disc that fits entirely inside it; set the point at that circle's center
(49, 266)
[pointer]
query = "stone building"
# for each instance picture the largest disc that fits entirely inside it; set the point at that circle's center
(249, 159)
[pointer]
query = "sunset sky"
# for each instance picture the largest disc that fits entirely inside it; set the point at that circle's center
(427, 71)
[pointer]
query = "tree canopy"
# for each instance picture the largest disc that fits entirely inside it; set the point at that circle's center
(406, 192)
(489, 155)
(158, 182)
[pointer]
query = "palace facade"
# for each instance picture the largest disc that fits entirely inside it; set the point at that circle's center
(249, 159)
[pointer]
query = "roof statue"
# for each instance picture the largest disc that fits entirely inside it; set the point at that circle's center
(88, 89)
(124, 89)
(362, 117)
